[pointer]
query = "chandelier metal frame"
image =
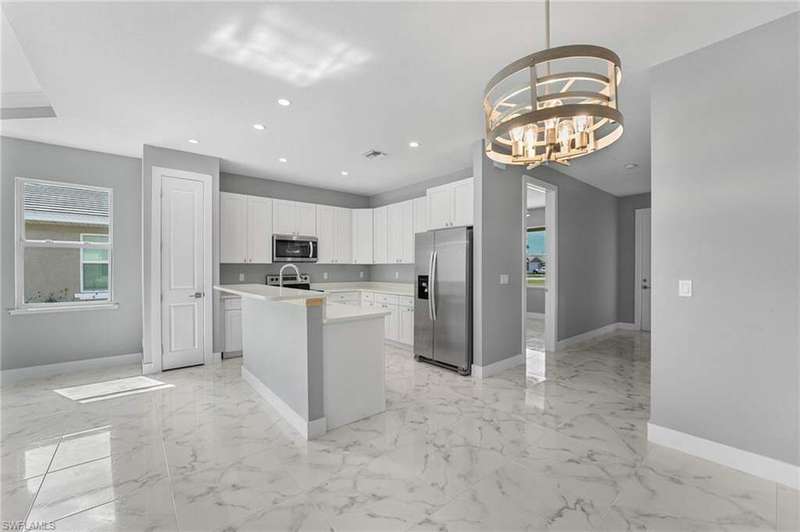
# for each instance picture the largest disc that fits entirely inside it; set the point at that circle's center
(559, 124)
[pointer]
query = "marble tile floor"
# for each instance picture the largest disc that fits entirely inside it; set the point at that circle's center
(559, 446)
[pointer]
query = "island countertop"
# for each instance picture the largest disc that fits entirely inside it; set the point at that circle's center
(267, 293)
(399, 289)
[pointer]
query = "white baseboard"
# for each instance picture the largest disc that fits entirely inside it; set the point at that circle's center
(754, 464)
(11, 376)
(589, 335)
(539, 315)
(308, 429)
(149, 368)
(482, 372)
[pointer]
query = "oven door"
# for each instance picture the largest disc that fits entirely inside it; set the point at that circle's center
(291, 248)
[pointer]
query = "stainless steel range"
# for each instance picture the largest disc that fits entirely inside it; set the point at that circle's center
(291, 280)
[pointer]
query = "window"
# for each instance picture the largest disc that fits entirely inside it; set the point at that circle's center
(64, 245)
(536, 256)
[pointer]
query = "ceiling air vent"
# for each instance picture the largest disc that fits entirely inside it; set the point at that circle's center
(375, 154)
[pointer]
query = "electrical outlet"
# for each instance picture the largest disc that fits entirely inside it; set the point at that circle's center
(241, 277)
(396, 275)
(361, 275)
(685, 288)
(325, 275)
(503, 278)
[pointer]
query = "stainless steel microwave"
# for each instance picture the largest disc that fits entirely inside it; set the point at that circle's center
(294, 248)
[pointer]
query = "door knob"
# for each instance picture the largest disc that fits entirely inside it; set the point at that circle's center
(196, 295)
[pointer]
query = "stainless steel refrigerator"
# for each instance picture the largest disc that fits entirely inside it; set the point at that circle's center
(443, 299)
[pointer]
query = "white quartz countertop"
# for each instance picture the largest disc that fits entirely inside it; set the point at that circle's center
(267, 293)
(399, 289)
(337, 312)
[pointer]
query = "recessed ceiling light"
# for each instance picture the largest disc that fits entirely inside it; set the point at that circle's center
(284, 102)
(345, 172)
(631, 166)
(259, 127)
(282, 159)
(413, 144)
(193, 141)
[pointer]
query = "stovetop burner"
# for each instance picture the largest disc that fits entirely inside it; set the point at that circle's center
(291, 281)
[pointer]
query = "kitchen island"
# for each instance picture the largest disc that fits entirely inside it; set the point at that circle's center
(319, 364)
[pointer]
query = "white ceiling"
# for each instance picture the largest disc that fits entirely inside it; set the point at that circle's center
(359, 75)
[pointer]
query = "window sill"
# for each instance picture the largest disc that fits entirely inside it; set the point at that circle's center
(66, 308)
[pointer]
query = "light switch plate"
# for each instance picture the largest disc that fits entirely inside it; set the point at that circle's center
(685, 288)
(503, 278)
(325, 275)
(241, 277)
(396, 275)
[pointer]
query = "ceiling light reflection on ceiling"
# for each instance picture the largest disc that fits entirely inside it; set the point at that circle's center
(193, 141)
(285, 47)
(284, 102)
(259, 127)
(413, 144)
(631, 166)
(282, 159)
(345, 172)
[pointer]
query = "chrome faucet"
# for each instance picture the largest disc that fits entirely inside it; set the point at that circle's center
(280, 274)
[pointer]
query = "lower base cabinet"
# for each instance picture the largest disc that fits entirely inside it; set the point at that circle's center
(232, 312)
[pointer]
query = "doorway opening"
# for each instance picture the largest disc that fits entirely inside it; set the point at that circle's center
(539, 284)
(642, 278)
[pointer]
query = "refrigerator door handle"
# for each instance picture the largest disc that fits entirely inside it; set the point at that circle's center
(432, 288)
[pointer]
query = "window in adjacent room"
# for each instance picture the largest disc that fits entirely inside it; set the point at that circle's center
(64, 244)
(536, 259)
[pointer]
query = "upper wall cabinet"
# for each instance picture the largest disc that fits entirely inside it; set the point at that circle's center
(245, 229)
(400, 233)
(362, 236)
(334, 231)
(451, 205)
(294, 218)
(420, 214)
(379, 236)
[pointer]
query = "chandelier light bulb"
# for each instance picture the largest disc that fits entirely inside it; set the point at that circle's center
(531, 132)
(564, 134)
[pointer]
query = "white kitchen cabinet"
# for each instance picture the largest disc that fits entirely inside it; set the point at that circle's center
(405, 327)
(362, 236)
(400, 233)
(420, 214)
(451, 205)
(232, 313)
(245, 229)
(334, 233)
(294, 218)
(379, 236)
(343, 236)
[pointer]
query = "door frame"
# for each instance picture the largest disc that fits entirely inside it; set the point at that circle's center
(551, 246)
(153, 311)
(637, 285)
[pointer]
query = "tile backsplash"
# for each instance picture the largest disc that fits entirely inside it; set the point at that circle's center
(257, 273)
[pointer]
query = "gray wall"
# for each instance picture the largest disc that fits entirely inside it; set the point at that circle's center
(417, 189)
(257, 186)
(725, 361)
(587, 254)
(69, 336)
(626, 261)
(190, 162)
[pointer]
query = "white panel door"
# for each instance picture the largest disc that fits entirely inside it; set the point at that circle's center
(362, 236)
(259, 230)
(232, 228)
(440, 207)
(284, 216)
(326, 245)
(407, 232)
(182, 272)
(463, 208)
(380, 236)
(420, 214)
(306, 219)
(343, 236)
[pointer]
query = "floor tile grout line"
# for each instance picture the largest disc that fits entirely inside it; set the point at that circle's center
(169, 474)
(41, 483)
